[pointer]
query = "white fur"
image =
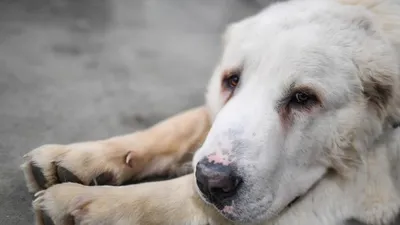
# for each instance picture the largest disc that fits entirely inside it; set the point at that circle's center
(334, 157)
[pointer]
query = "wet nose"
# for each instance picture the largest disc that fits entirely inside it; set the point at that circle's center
(216, 181)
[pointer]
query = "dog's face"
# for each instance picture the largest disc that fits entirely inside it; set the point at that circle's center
(300, 89)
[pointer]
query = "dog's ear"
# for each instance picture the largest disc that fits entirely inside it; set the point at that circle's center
(381, 82)
(381, 86)
(378, 89)
(378, 65)
(379, 73)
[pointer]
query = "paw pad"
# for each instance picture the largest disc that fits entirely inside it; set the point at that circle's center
(105, 178)
(64, 175)
(37, 174)
(46, 220)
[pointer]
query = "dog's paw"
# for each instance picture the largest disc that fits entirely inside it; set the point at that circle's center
(155, 203)
(75, 204)
(91, 163)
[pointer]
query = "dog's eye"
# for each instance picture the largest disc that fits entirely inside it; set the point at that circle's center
(302, 99)
(232, 81)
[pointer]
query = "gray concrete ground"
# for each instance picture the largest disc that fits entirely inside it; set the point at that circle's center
(89, 69)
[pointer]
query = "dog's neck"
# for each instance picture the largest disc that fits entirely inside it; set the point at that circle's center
(369, 195)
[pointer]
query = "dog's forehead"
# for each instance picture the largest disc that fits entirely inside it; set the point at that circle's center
(293, 44)
(294, 53)
(285, 51)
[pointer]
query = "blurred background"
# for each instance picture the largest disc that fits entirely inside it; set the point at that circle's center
(75, 70)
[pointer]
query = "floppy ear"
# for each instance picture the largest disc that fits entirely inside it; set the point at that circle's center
(378, 89)
(378, 67)
(381, 76)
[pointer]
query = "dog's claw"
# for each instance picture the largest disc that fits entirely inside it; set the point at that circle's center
(39, 193)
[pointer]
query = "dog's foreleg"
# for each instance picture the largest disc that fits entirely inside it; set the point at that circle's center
(161, 150)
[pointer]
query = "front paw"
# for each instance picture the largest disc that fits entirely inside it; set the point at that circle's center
(91, 163)
(75, 204)
(171, 202)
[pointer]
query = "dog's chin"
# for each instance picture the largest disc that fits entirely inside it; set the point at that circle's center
(233, 211)
(259, 214)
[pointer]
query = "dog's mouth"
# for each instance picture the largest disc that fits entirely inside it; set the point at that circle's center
(221, 205)
(227, 208)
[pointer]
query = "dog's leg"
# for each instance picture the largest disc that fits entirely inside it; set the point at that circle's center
(163, 150)
(168, 202)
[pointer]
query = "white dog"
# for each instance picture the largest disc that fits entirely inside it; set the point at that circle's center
(298, 129)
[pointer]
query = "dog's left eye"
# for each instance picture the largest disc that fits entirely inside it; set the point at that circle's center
(232, 81)
(302, 99)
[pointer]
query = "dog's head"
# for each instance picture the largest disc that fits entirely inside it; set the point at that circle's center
(302, 88)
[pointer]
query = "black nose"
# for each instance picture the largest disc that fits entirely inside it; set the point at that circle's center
(216, 181)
